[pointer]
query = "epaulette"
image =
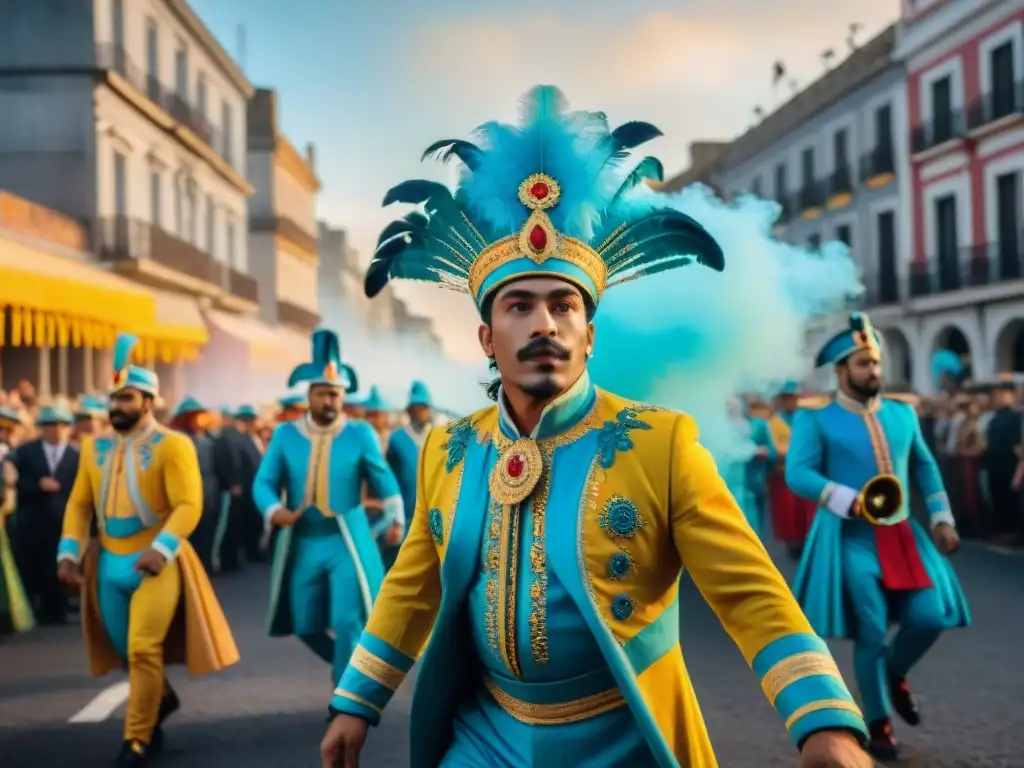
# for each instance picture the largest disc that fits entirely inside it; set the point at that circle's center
(903, 397)
(813, 402)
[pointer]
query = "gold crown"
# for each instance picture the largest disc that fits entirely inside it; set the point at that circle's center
(538, 240)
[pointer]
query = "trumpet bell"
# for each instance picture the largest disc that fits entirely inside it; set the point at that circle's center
(881, 498)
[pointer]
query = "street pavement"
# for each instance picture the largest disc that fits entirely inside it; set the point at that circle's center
(269, 710)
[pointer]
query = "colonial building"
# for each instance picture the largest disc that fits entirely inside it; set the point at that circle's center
(965, 69)
(130, 118)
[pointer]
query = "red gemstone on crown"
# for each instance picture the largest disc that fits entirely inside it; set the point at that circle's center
(538, 238)
(515, 466)
(539, 190)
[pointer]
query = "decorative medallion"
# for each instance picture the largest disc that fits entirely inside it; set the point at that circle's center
(517, 472)
(538, 239)
(620, 565)
(620, 518)
(120, 377)
(436, 522)
(539, 192)
(622, 606)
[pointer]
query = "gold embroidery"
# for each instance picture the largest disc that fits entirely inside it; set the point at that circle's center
(357, 699)
(794, 668)
(375, 668)
(492, 567)
(817, 706)
(516, 472)
(511, 573)
(879, 444)
(556, 714)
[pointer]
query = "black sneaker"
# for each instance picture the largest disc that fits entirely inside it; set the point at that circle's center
(883, 745)
(903, 700)
(134, 754)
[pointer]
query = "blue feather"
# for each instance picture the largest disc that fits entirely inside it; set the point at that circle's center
(648, 168)
(123, 350)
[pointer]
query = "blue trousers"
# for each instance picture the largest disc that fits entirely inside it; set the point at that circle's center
(919, 613)
(324, 592)
(486, 736)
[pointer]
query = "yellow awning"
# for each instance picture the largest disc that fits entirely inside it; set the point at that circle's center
(57, 300)
(179, 330)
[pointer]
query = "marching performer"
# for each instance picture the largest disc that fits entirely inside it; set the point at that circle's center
(143, 486)
(15, 610)
(548, 593)
(865, 562)
(291, 407)
(405, 444)
(791, 515)
(327, 570)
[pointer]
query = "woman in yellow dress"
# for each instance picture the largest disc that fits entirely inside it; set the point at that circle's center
(15, 611)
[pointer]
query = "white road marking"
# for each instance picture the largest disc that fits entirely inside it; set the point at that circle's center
(103, 705)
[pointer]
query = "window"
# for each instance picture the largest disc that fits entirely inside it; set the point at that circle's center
(942, 110)
(211, 227)
(155, 198)
(117, 24)
(881, 153)
(179, 207)
(1002, 99)
(755, 186)
(807, 166)
(230, 252)
(1008, 219)
(841, 163)
(152, 60)
(947, 242)
(201, 94)
(227, 129)
(780, 182)
(188, 232)
(181, 71)
(844, 235)
(888, 287)
(814, 241)
(120, 185)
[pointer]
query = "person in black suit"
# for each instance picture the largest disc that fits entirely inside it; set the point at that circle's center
(192, 418)
(244, 511)
(227, 463)
(46, 471)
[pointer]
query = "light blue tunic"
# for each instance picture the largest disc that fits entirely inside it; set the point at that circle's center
(327, 569)
(486, 735)
(403, 455)
(833, 453)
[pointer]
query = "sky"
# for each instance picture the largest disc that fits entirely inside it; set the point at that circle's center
(371, 84)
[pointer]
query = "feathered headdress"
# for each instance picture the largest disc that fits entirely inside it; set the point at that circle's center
(127, 375)
(542, 198)
(326, 367)
(860, 335)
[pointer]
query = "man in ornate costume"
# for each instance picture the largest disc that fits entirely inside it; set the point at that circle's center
(146, 600)
(327, 570)
(865, 562)
(791, 515)
(546, 598)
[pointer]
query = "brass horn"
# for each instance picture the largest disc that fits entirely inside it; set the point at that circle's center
(880, 499)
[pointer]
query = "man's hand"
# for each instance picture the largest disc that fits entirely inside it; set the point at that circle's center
(150, 562)
(393, 535)
(1018, 477)
(235, 490)
(832, 749)
(283, 518)
(49, 484)
(69, 573)
(946, 538)
(343, 742)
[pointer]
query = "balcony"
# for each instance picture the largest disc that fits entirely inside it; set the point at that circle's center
(878, 166)
(995, 106)
(840, 187)
(294, 315)
(132, 245)
(114, 58)
(945, 127)
(287, 228)
(810, 199)
(975, 266)
(881, 289)
(786, 206)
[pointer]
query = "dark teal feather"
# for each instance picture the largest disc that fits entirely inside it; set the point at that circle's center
(633, 134)
(446, 149)
(648, 168)
(673, 262)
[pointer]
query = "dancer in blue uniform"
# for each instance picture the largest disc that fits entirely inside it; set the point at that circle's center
(327, 569)
(855, 577)
(405, 444)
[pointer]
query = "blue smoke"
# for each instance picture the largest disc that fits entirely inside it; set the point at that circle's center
(691, 338)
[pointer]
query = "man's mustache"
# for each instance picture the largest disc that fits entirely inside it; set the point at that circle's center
(542, 346)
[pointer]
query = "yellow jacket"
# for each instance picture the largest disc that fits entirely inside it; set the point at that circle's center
(156, 472)
(649, 484)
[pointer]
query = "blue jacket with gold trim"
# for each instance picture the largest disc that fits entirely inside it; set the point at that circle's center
(623, 456)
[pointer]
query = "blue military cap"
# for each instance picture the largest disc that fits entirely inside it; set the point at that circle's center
(790, 387)
(860, 335)
(9, 416)
(55, 414)
(246, 413)
(326, 367)
(128, 376)
(90, 405)
(419, 395)
(189, 405)
(292, 400)
(374, 401)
